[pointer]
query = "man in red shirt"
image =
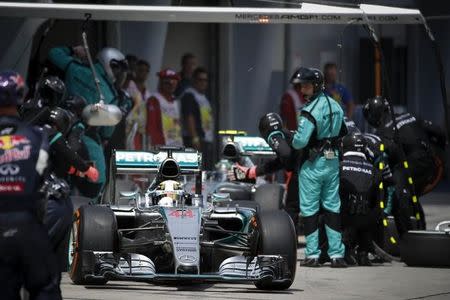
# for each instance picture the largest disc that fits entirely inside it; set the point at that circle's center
(163, 112)
(291, 105)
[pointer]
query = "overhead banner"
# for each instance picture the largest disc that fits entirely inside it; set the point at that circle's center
(306, 14)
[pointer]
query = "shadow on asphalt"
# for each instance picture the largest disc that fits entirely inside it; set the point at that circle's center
(191, 288)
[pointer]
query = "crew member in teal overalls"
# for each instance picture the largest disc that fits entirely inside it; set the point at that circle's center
(111, 68)
(320, 126)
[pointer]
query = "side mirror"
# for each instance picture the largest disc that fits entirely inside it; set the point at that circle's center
(101, 114)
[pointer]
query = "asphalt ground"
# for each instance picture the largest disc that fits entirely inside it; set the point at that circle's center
(388, 281)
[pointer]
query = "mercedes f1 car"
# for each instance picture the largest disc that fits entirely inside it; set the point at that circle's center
(247, 151)
(150, 228)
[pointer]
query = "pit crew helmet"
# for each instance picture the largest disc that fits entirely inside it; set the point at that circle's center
(308, 75)
(76, 104)
(269, 123)
(52, 91)
(114, 63)
(376, 110)
(354, 142)
(12, 88)
(60, 119)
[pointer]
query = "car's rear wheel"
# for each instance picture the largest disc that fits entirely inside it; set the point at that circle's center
(269, 197)
(277, 237)
(237, 190)
(94, 229)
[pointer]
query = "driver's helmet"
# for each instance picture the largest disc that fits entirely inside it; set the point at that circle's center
(171, 192)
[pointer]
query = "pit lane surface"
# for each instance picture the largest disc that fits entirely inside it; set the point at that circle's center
(390, 281)
(394, 281)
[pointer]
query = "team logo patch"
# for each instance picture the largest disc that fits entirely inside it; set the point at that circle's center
(15, 154)
(12, 187)
(8, 142)
(9, 169)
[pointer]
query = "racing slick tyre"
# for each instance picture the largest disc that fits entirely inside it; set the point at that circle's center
(237, 191)
(391, 232)
(94, 229)
(426, 248)
(277, 237)
(79, 201)
(269, 197)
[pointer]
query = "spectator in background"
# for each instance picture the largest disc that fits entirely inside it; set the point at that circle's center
(137, 119)
(198, 126)
(142, 71)
(291, 105)
(132, 61)
(163, 113)
(336, 90)
(188, 65)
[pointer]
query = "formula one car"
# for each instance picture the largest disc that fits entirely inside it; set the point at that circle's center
(149, 228)
(247, 151)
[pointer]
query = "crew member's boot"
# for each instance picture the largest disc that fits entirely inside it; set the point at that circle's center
(363, 259)
(338, 262)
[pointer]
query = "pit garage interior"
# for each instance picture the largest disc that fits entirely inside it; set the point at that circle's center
(250, 64)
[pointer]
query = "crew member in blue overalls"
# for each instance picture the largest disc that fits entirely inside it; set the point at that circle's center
(320, 126)
(26, 256)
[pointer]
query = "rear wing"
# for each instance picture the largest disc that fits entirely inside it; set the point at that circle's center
(126, 162)
(253, 145)
(246, 150)
(243, 145)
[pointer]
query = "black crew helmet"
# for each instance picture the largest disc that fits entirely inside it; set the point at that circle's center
(52, 91)
(354, 142)
(60, 119)
(75, 104)
(269, 123)
(308, 75)
(376, 110)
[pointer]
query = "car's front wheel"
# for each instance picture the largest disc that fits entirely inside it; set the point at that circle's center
(277, 237)
(94, 229)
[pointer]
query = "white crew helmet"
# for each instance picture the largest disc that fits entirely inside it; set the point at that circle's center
(108, 56)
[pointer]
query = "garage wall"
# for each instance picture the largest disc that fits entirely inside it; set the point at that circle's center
(424, 96)
(262, 58)
(144, 39)
(186, 37)
(257, 60)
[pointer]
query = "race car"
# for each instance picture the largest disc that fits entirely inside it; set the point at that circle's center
(247, 151)
(149, 228)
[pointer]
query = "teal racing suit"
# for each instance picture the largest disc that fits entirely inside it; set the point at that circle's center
(80, 81)
(320, 125)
